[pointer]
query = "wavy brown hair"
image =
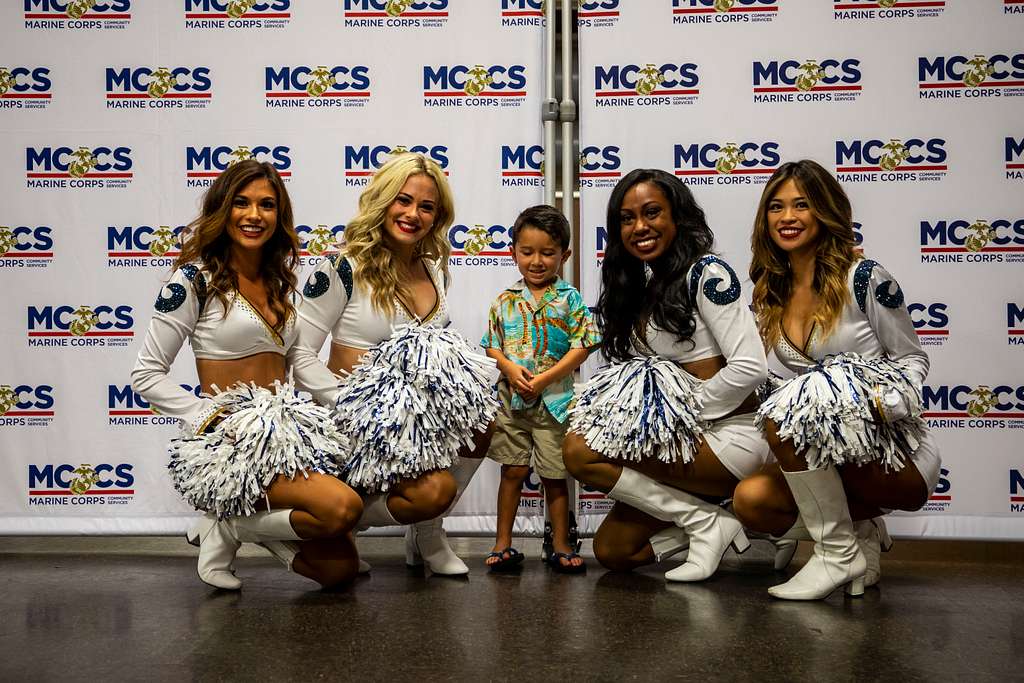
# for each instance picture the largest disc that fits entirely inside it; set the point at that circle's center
(373, 261)
(834, 252)
(206, 240)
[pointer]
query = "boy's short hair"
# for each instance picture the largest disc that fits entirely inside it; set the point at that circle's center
(546, 218)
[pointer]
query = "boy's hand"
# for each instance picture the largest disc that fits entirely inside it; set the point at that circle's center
(519, 378)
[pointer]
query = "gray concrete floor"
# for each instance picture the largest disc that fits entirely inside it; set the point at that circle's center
(134, 609)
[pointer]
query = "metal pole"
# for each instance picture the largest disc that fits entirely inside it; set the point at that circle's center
(549, 112)
(567, 115)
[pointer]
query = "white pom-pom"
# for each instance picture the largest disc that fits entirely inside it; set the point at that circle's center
(641, 409)
(264, 434)
(827, 411)
(411, 403)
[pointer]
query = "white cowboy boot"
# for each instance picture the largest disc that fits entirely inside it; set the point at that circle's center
(837, 559)
(711, 530)
(427, 543)
(217, 548)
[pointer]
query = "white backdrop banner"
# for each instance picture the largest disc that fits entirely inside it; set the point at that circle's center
(117, 114)
(918, 108)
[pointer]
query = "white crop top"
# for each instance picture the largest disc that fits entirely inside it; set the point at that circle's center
(875, 323)
(333, 304)
(185, 310)
(724, 327)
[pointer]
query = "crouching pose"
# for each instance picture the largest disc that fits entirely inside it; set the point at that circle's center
(668, 429)
(847, 431)
(259, 461)
(414, 398)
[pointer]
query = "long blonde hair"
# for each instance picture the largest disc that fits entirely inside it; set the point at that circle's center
(373, 261)
(206, 239)
(834, 252)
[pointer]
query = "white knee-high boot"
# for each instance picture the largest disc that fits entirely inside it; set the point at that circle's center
(711, 530)
(426, 542)
(873, 538)
(217, 548)
(271, 529)
(786, 544)
(376, 513)
(837, 559)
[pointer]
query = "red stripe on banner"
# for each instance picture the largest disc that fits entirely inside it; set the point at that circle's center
(168, 96)
(938, 332)
(1017, 499)
(326, 94)
(214, 174)
(130, 412)
(587, 15)
(856, 88)
(738, 171)
(941, 498)
(384, 15)
(989, 84)
(634, 93)
(35, 254)
(524, 13)
(91, 492)
(87, 175)
(871, 169)
(87, 334)
(600, 174)
(128, 254)
(965, 250)
(592, 496)
(28, 413)
(1010, 415)
(712, 10)
(936, 3)
(1015, 166)
(268, 15)
(26, 96)
(486, 93)
(456, 252)
(36, 15)
(514, 174)
(1015, 331)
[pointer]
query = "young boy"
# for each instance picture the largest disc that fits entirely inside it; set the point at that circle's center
(539, 331)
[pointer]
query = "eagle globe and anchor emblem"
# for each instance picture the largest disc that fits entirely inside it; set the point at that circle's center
(77, 8)
(394, 8)
(895, 154)
(724, 5)
(476, 240)
(240, 153)
(478, 81)
(729, 157)
(236, 8)
(85, 320)
(7, 239)
(85, 477)
(6, 80)
(8, 399)
(810, 73)
(979, 68)
(84, 161)
(160, 82)
(981, 234)
(320, 240)
(650, 78)
(982, 402)
(886, 4)
(320, 79)
(163, 241)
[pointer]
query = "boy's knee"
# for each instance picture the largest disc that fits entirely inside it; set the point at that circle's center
(515, 474)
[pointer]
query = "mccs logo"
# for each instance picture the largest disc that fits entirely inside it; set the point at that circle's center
(1015, 324)
(896, 159)
(318, 240)
(941, 498)
(978, 241)
(25, 401)
(113, 14)
(24, 242)
(395, 11)
(127, 408)
(81, 484)
(1004, 402)
(82, 167)
(296, 83)
(522, 165)
(723, 11)
(158, 88)
(522, 12)
(459, 85)
(25, 87)
(81, 325)
(600, 166)
(1016, 491)
(650, 84)
(977, 76)
(1014, 158)
(594, 13)
(362, 161)
(236, 13)
(931, 322)
(812, 80)
(143, 245)
(202, 164)
(479, 240)
(728, 164)
(887, 9)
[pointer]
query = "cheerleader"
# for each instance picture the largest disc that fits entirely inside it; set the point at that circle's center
(413, 397)
(259, 461)
(668, 429)
(847, 431)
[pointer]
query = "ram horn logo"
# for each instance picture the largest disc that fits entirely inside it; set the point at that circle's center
(163, 241)
(236, 8)
(395, 8)
(86, 478)
(76, 8)
(240, 153)
(895, 154)
(729, 157)
(160, 82)
(320, 80)
(982, 234)
(477, 241)
(478, 81)
(6, 80)
(84, 321)
(8, 399)
(810, 74)
(983, 400)
(319, 240)
(84, 162)
(650, 78)
(980, 69)
(7, 239)
(724, 5)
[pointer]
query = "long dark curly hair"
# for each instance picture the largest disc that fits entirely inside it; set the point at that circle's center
(628, 300)
(206, 239)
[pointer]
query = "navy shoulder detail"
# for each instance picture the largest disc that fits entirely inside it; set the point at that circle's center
(711, 289)
(198, 280)
(883, 292)
(344, 269)
(173, 302)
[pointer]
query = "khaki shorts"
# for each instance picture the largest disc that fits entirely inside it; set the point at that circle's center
(522, 433)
